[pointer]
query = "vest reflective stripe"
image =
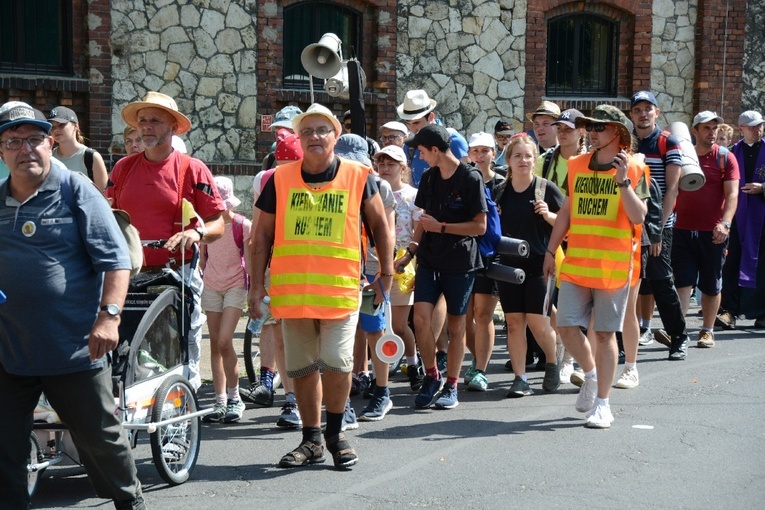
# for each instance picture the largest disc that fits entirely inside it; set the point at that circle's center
(601, 248)
(316, 260)
(307, 250)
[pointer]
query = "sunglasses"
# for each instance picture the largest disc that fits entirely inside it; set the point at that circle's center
(598, 128)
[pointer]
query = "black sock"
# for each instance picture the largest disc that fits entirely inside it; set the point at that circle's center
(334, 424)
(312, 434)
(381, 391)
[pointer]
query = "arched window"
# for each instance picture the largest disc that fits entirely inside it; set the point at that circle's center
(304, 24)
(36, 36)
(582, 53)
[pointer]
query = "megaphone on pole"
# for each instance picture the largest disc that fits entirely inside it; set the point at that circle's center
(339, 84)
(324, 58)
(390, 347)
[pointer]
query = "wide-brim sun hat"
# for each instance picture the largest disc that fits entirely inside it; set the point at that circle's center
(353, 147)
(609, 114)
(416, 105)
(283, 118)
(545, 108)
(317, 109)
(226, 190)
(156, 100)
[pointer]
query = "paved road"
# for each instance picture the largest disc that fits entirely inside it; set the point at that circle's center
(690, 436)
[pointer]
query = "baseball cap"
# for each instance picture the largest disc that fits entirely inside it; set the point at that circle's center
(394, 152)
(481, 139)
(395, 126)
(706, 116)
(643, 95)
(431, 135)
(503, 127)
(62, 115)
(750, 118)
(15, 113)
(568, 117)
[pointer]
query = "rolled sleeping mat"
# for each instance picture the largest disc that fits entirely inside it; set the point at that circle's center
(512, 246)
(691, 176)
(505, 273)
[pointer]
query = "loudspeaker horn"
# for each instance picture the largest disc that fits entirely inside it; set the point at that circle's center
(323, 59)
(339, 84)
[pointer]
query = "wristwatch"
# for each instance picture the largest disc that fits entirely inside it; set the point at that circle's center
(112, 309)
(623, 184)
(726, 223)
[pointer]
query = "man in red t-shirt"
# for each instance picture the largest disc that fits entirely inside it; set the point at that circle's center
(703, 225)
(150, 186)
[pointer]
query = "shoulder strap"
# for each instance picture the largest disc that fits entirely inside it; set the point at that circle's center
(185, 164)
(237, 227)
(663, 135)
(539, 188)
(548, 161)
(87, 158)
(722, 156)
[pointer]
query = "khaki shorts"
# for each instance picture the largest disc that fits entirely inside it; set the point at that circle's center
(576, 304)
(215, 301)
(398, 298)
(319, 344)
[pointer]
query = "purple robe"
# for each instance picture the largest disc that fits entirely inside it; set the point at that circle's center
(750, 217)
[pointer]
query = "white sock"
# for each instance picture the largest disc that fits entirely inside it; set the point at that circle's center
(601, 401)
(412, 361)
(525, 378)
(592, 374)
(220, 398)
(233, 393)
(628, 365)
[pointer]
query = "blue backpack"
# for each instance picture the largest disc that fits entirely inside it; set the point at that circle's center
(487, 243)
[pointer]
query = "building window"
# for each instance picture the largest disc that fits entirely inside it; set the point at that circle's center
(36, 36)
(304, 24)
(581, 56)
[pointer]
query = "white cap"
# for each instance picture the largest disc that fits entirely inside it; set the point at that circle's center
(395, 126)
(481, 139)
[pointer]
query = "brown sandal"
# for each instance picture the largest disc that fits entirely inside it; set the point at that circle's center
(305, 454)
(342, 454)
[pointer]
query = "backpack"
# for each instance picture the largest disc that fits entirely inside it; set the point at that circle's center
(133, 240)
(87, 158)
(722, 152)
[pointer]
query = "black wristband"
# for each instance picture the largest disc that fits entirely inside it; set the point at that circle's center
(410, 252)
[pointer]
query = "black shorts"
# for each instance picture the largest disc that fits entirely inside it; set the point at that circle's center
(696, 260)
(529, 296)
(485, 285)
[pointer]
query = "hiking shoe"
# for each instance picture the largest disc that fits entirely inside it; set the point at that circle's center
(599, 417)
(551, 380)
(377, 408)
(219, 411)
(577, 378)
(646, 337)
(441, 362)
(587, 393)
(478, 382)
(520, 388)
(679, 348)
(566, 369)
(349, 418)
(359, 384)
(725, 320)
(663, 338)
(447, 399)
(470, 372)
(370, 389)
(706, 339)
(234, 411)
(415, 374)
(290, 416)
(427, 395)
(628, 380)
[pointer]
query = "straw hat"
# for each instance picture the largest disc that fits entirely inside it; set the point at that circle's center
(156, 100)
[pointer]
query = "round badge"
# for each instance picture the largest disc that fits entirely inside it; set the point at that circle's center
(28, 229)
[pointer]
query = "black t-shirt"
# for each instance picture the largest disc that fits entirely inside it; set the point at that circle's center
(454, 200)
(267, 200)
(519, 220)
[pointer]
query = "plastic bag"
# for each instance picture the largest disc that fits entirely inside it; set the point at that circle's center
(405, 279)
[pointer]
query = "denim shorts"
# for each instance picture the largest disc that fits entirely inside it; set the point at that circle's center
(456, 288)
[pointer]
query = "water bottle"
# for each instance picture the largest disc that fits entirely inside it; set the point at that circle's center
(255, 325)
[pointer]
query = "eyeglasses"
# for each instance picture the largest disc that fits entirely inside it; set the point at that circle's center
(321, 132)
(503, 138)
(14, 144)
(390, 138)
(598, 128)
(347, 126)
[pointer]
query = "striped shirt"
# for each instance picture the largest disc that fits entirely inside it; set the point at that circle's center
(649, 146)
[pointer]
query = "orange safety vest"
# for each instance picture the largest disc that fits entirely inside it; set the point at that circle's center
(316, 261)
(602, 244)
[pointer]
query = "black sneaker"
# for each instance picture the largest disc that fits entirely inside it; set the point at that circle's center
(520, 388)
(551, 380)
(679, 348)
(415, 375)
(219, 412)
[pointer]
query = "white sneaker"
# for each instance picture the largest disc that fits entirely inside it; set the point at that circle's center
(599, 417)
(566, 370)
(577, 378)
(628, 380)
(646, 337)
(587, 393)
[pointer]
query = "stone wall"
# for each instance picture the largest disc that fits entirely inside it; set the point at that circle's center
(200, 52)
(468, 55)
(753, 94)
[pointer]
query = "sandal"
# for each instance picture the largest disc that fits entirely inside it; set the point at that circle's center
(342, 454)
(305, 454)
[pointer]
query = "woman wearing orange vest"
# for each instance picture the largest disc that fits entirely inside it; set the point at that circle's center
(310, 216)
(602, 214)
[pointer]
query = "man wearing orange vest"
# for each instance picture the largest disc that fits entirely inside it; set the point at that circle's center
(311, 218)
(603, 215)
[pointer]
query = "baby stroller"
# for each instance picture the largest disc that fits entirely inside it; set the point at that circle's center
(150, 389)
